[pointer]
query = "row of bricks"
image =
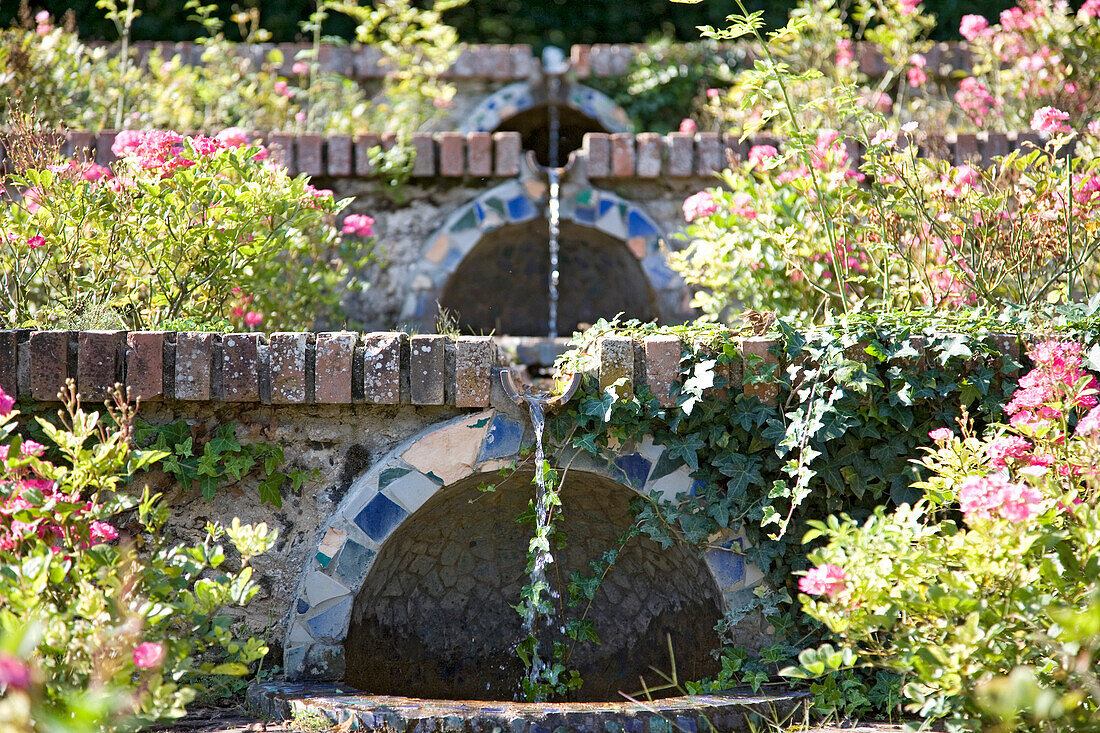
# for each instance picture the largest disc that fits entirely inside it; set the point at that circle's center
(644, 155)
(343, 367)
(503, 62)
(280, 368)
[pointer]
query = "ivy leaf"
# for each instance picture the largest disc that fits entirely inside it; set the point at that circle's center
(956, 346)
(743, 471)
(270, 490)
(687, 450)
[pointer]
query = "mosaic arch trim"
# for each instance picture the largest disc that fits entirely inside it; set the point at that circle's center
(401, 482)
(521, 200)
(509, 101)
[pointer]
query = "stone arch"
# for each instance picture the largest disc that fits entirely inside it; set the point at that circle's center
(520, 202)
(513, 100)
(403, 481)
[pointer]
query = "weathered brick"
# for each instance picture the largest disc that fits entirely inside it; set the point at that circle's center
(98, 362)
(287, 352)
(452, 154)
(382, 368)
(580, 60)
(465, 66)
(80, 144)
(424, 145)
(103, 142)
(334, 355)
(507, 149)
(365, 62)
(49, 364)
(734, 150)
(596, 147)
(650, 149)
(767, 391)
(194, 365)
(426, 369)
(966, 147)
(9, 362)
(473, 367)
(617, 363)
(681, 154)
(145, 365)
(993, 145)
(500, 62)
(282, 145)
(622, 155)
(308, 151)
(601, 59)
(709, 159)
(662, 367)
(241, 367)
(335, 59)
(479, 154)
(621, 57)
(338, 150)
(363, 143)
(1027, 141)
(523, 61)
(854, 151)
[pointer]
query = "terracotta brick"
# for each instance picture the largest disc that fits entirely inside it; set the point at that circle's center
(49, 364)
(98, 362)
(681, 154)
(650, 149)
(283, 146)
(465, 66)
(9, 362)
(308, 152)
(766, 392)
(452, 154)
(335, 59)
(334, 355)
(338, 155)
(479, 154)
(662, 367)
(382, 368)
(501, 62)
(523, 61)
(622, 155)
(426, 369)
(597, 151)
(473, 367)
(601, 59)
(621, 57)
(709, 159)
(363, 144)
(617, 362)
(966, 147)
(145, 365)
(424, 145)
(241, 367)
(287, 353)
(194, 365)
(485, 59)
(506, 149)
(103, 142)
(580, 60)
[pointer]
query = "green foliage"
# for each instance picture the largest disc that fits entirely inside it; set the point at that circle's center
(222, 458)
(99, 634)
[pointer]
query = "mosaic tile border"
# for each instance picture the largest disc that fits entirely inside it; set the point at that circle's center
(402, 481)
(521, 96)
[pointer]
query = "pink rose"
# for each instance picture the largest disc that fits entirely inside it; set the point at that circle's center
(252, 318)
(148, 654)
(916, 76)
(127, 142)
(828, 580)
(760, 154)
(300, 67)
(1050, 120)
(844, 55)
(234, 137)
(358, 224)
(102, 532)
(1001, 449)
(36, 242)
(688, 125)
(699, 204)
(908, 7)
(713, 93)
(14, 673)
(741, 205)
(281, 89)
(6, 403)
(973, 26)
(941, 435)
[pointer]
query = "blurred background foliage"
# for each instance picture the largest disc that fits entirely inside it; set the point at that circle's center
(538, 22)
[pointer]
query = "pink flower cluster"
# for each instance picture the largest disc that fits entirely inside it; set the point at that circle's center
(148, 654)
(916, 74)
(1050, 121)
(976, 100)
(360, 225)
(844, 55)
(984, 498)
(761, 154)
(973, 27)
(824, 580)
(1051, 386)
(1007, 447)
(699, 205)
(941, 435)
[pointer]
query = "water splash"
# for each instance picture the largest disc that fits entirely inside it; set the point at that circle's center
(555, 232)
(542, 558)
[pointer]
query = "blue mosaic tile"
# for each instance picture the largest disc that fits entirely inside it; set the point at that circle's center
(666, 464)
(468, 220)
(495, 204)
(390, 475)
(635, 467)
(323, 560)
(379, 517)
(685, 725)
(605, 206)
(453, 258)
(425, 305)
(503, 438)
(332, 623)
(635, 725)
(639, 226)
(584, 215)
(658, 271)
(520, 208)
(352, 564)
(302, 606)
(658, 725)
(728, 567)
(479, 211)
(294, 657)
(696, 485)
(612, 727)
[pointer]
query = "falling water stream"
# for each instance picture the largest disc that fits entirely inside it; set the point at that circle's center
(554, 174)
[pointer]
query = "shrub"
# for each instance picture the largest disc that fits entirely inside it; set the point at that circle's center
(982, 593)
(202, 228)
(103, 623)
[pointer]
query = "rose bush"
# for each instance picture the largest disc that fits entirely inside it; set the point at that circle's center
(103, 622)
(981, 593)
